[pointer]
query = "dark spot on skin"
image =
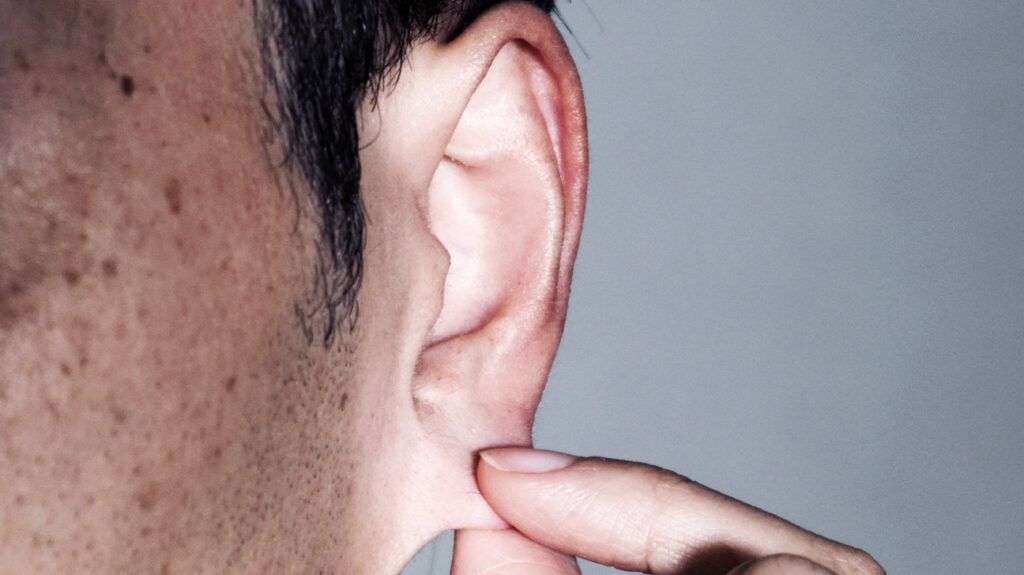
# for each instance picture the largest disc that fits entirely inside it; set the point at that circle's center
(21, 61)
(147, 497)
(145, 531)
(101, 59)
(53, 409)
(37, 88)
(10, 306)
(206, 118)
(147, 48)
(19, 500)
(72, 277)
(127, 85)
(344, 401)
(65, 369)
(137, 470)
(109, 268)
(118, 413)
(229, 384)
(172, 193)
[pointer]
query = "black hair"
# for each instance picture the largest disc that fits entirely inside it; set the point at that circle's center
(321, 60)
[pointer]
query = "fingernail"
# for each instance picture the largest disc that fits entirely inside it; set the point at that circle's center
(525, 460)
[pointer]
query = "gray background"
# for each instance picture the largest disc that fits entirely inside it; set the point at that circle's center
(802, 273)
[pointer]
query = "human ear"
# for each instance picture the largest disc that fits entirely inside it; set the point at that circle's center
(506, 203)
(489, 132)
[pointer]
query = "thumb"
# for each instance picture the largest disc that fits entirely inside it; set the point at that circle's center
(641, 518)
(506, 552)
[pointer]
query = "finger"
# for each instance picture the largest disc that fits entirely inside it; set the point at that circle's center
(641, 518)
(506, 552)
(781, 565)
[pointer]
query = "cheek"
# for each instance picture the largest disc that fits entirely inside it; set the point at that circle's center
(150, 267)
(146, 311)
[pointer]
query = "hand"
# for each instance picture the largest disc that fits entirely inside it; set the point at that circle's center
(634, 517)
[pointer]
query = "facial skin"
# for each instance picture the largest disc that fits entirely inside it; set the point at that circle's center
(158, 400)
(162, 406)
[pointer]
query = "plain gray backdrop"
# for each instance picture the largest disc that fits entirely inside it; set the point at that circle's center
(802, 273)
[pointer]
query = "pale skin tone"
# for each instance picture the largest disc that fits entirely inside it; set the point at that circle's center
(162, 409)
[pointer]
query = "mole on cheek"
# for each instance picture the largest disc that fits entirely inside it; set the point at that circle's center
(109, 268)
(172, 193)
(127, 85)
(72, 277)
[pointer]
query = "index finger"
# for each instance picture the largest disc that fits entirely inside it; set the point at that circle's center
(641, 518)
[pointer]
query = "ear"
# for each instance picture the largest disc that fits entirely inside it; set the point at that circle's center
(506, 203)
(485, 137)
